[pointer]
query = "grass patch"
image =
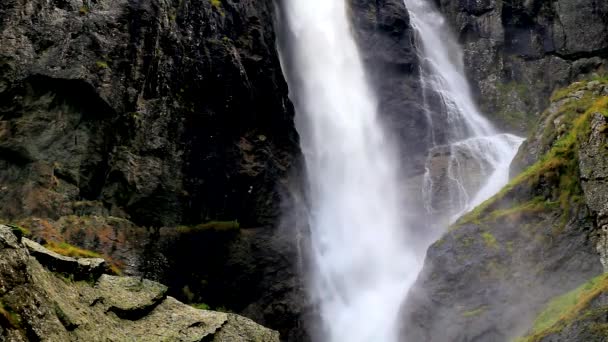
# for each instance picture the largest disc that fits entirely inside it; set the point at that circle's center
(69, 250)
(66, 249)
(566, 308)
(19, 231)
(101, 65)
(489, 240)
(200, 306)
(218, 226)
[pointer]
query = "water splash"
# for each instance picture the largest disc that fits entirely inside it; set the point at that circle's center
(362, 265)
(471, 162)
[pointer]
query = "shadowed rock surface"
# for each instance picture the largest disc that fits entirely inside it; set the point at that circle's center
(518, 52)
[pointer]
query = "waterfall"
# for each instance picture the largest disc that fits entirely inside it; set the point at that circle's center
(472, 162)
(362, 267)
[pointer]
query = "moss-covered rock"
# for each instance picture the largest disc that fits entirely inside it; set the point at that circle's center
(579, 315)
(538, 238)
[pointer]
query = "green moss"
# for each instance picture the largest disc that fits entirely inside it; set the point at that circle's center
(8, 317)
(101, 65)
(66, 249)
(217, 4)
(83, 10)
(489, 240)
(566, 308)
(200, 306)
(474, 313)
(222, 226)
(19, 231)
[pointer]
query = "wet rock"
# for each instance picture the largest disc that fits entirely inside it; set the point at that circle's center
(518, 52)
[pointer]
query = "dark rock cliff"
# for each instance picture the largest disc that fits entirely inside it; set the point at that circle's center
(387, 44)
(121, 114)
(517, 52)
(162, 112)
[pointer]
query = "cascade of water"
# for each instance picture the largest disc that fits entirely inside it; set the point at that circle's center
(473, 156)
(362, 264)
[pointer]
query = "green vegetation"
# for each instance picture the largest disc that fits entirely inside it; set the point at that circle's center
(19, 231)
(200, 306)
(217, 4)
(558, 168)
(474, 313)
(83, 10)
(566, 308)
(489, 240)
(8, 317)
(101, 65)
(66, 249)
(218, 226)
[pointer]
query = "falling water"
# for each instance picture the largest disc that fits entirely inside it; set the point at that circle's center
(476, 158)
(362, 267)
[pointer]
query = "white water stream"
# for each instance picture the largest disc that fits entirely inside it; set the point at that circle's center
(363, 265)
(363, 260)
(479, 157)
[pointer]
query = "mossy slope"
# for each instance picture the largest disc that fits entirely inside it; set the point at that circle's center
(534, 240)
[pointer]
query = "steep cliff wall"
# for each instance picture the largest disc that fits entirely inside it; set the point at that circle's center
(158, 111)
(117, 115)
(517, 52)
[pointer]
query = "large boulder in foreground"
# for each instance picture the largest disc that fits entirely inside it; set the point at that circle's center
(37, 304)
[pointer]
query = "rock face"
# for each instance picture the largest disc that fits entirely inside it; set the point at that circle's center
(39, 305)
(117, 115)
(159, 111)
(542, 236)
(518, 52)
(387, 44)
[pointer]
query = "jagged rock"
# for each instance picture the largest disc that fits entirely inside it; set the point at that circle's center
(82, 268)
(40, 305)
(541, 236)
(518, 52)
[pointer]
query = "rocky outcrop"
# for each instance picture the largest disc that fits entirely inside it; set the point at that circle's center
(39, 305)
(490, 276)
(518, 52)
